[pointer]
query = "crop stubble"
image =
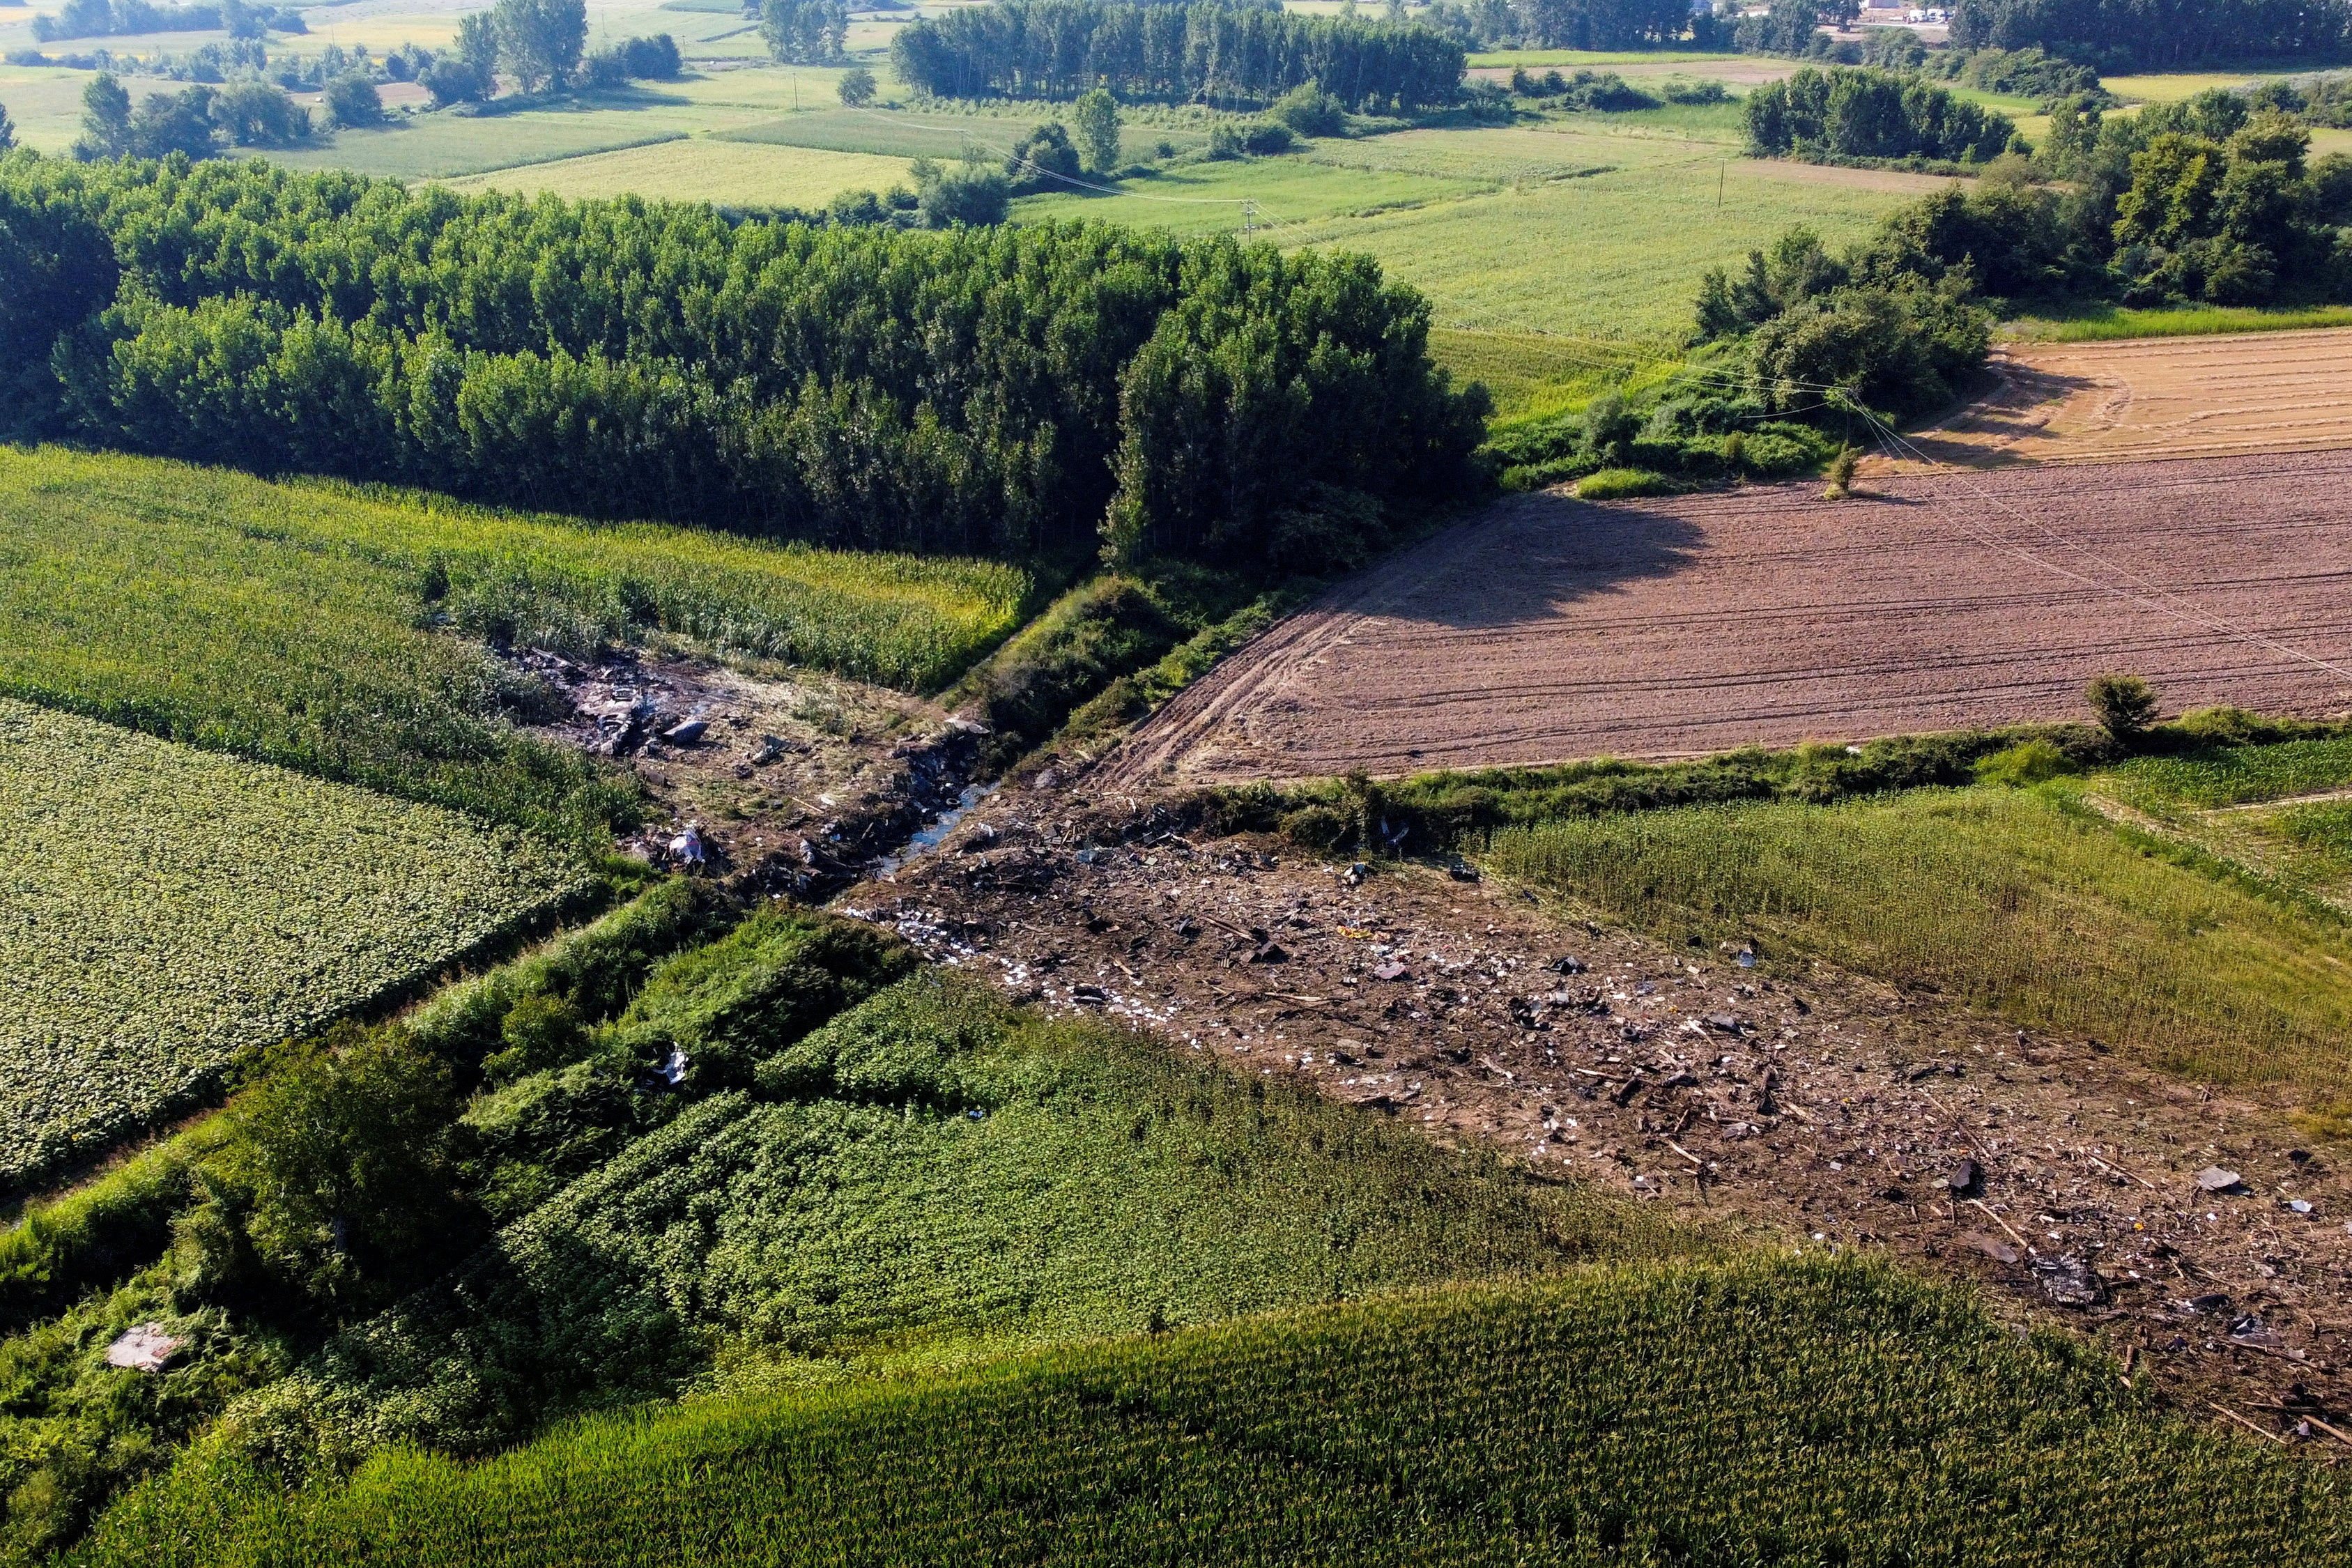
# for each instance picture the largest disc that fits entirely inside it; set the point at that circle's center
(2130, 399)
(1548, 629)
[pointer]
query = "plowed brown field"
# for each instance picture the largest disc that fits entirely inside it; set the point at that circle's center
(1549, 629)
(2153, 397)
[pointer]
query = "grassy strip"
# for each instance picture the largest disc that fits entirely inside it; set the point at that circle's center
(2004, 899)
(1094, 646)
(1782, 1410)
(2101, 323)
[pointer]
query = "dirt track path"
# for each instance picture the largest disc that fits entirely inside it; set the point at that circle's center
(1796, 1101)
(1549, 629)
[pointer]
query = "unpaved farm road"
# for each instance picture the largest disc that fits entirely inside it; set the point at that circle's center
(1791, 1100)
(1548, 629)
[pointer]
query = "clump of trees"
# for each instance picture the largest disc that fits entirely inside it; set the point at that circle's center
(195, 123)
(805, 32)
(1039, 391)
(2157, 35)
(1060, 48)
(2210, 200)
(107, 19)
(1835, 114)
(635, 59)
(1574, 24)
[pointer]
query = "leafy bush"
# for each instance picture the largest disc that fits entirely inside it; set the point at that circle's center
(1820, 113)
(352, 103)
(2123, 704)
(1613, 484)
(1266, 139)
(1308, 109)
(1042, 159)
(2027, 763)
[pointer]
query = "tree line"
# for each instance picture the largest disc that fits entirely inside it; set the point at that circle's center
(1059, 48)
(1826, 114)
(1020, 392)
(2156, 35)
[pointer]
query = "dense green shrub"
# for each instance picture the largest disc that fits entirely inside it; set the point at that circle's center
(1834, 113)
(986, 392)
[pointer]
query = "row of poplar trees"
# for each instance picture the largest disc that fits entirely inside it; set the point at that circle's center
(1021, 393)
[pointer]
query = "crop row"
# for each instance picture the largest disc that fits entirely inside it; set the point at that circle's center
(1789, 1411)
(163, 909)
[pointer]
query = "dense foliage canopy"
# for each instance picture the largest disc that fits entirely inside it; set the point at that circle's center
(2155, 34)
(1059, 48)
(977, 391)
(1836, 114)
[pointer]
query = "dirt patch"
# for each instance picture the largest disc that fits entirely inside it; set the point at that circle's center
(1549, 629)
(790, 785)
(2150, 398)
(1788, 1099)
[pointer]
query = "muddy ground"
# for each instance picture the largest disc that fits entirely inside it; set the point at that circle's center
(1786, 1099)
(1548, 629)
(790, 782)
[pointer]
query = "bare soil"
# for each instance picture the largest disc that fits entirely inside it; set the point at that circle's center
(794, 783)
(1548, 629)
(2150, 398)
(1788, 1101)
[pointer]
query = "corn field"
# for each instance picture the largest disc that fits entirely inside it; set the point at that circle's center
(1786, 1411)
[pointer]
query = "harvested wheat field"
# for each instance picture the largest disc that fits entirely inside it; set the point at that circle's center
(2153, 397)
(1549, 629)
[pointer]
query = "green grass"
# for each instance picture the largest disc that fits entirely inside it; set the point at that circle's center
(2017, 901)
(1614, 255)
(292, 621)
(1795, 1411)
(702, 169)
(1505, 58)
(2237, 776)
(1535, 376)
(1206, 198)
(169, 910)
(2100, 323)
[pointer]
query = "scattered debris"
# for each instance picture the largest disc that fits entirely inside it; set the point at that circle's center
(2069, 1281)
(144, 1348)
(2214, 1179)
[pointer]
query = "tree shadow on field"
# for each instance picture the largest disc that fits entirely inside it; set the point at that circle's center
(1983, 428)
(1524, 560)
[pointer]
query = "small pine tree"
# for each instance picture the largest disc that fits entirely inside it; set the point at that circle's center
(2123, 704)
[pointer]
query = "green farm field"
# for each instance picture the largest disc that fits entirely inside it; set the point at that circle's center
(1796, 1410)
(700, 169)
(294, 622)
(171, 909)
(2025, 902)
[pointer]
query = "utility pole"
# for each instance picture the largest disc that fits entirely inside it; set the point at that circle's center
(1249, 220)
(1720, 174)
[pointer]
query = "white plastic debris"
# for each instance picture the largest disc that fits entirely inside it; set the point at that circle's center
(145, 1348)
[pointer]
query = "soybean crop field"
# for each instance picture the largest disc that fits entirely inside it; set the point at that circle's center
(1796, 1410)
(1553, 630)
(167, 908)
(338, 632)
